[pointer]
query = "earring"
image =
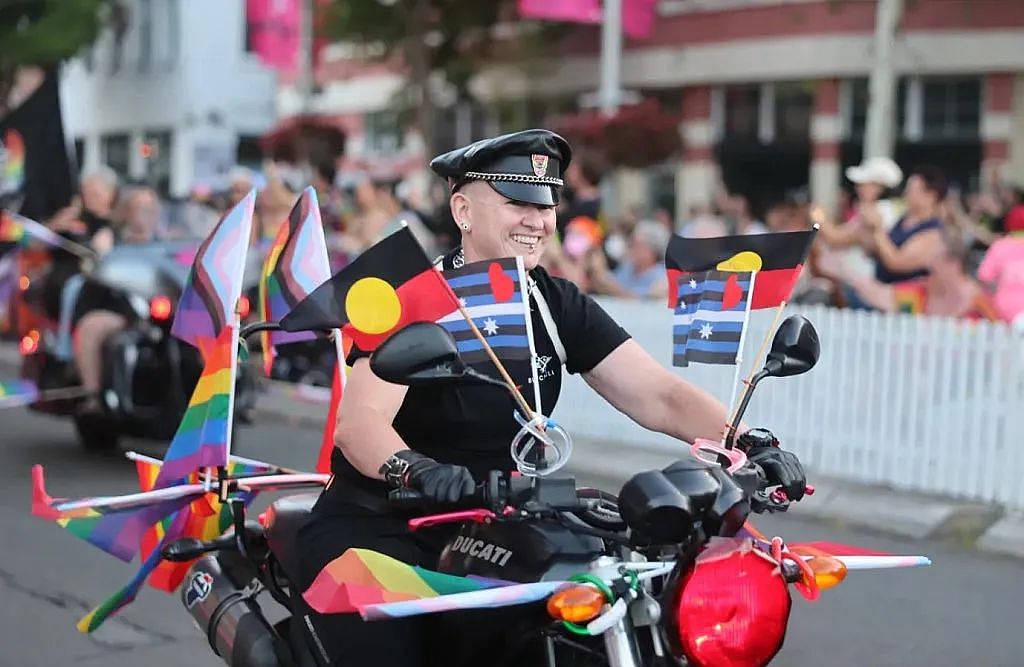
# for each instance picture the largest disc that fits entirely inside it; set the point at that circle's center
(464, 225)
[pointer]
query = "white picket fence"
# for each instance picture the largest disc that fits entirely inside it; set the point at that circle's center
(916, 403)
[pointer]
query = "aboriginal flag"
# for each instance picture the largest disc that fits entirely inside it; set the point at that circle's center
(777, 258)
(386, 288)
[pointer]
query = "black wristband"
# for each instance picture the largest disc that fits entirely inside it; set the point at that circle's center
(395, 468)
(756, 437)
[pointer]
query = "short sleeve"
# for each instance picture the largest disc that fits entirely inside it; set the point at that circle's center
(352, 352)
(991, 264)
(588, 333)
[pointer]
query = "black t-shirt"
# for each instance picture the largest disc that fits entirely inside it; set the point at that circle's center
(473, 425)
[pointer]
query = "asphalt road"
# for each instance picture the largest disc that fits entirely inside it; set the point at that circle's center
(965, 610)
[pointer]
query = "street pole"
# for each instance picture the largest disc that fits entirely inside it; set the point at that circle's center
(610, 92)
(611, 57)
(306, 57)
(880, 133)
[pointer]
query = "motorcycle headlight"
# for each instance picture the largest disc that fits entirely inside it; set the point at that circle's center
(730, 609)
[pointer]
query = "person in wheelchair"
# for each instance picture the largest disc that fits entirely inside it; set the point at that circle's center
(440, 440)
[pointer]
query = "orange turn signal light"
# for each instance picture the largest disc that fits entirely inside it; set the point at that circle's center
(828, 571)
(576, 604)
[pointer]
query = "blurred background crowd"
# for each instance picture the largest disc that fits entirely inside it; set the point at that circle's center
(168, 128)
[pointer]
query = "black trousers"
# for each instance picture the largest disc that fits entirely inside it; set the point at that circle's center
(451, 639)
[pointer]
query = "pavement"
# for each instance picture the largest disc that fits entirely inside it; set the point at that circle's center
(964, 610)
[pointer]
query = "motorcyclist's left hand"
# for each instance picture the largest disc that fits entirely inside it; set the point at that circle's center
(780, 467)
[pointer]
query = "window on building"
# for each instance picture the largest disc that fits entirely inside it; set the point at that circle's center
(951, 108)
(742, 111)
(794, 103)
(145, 41)
(383, 132)
(116, 153)
(162, 47)
(249, 153)
(79, 153)
(156, 153)
(859, 94)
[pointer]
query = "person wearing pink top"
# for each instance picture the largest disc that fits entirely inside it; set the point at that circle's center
(1003, 266)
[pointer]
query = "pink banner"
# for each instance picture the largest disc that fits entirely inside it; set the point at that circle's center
(637, 15)
(576, 11)
(275, 28)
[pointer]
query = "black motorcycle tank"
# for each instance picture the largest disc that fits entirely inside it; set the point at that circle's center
(522, 552)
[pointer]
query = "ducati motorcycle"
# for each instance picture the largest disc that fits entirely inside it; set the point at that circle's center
(658, 576)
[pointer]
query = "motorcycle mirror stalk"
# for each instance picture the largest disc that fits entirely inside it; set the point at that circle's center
(189, 548)
(795, 349)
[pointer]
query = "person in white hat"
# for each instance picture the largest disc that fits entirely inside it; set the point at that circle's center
(871, 179)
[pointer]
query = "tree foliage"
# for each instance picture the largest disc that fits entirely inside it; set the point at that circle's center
(447, 39)
(45, 32)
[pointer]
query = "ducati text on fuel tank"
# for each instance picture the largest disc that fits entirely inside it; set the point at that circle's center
(480, 549)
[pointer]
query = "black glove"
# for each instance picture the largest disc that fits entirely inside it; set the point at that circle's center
(780, 467)
(440, 482)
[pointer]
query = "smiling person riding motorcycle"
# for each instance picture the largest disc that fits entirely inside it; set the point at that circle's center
(440, 440)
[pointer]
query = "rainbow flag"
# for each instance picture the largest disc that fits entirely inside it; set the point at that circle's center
(208, 303)
(361, 577)
(296, 265)
(126, 595)
(208, 518)
(15, 228)
(11, 231)
(118, 533)
(203, 437)
(17, 392)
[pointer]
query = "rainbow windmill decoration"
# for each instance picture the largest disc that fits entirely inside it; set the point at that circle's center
(179, 497)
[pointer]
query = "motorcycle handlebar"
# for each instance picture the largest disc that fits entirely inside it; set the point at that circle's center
(411, 499)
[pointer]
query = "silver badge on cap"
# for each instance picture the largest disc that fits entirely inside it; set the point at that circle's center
(540, 164)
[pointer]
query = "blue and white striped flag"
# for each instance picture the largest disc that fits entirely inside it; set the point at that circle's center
(492, 293)
(710, 314)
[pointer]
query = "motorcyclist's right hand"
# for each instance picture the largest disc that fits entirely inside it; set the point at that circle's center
(440, 482)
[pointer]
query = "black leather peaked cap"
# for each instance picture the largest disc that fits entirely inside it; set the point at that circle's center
(524, 166)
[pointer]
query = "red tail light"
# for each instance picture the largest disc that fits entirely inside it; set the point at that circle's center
(244, 307)
(732, 608)
(160, 308)
(29, 343)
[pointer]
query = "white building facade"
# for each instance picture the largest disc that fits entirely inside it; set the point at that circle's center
(172, 101)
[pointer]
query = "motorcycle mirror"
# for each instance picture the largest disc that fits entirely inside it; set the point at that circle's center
(423, 353)
(795, 348)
